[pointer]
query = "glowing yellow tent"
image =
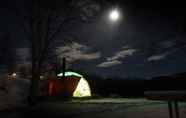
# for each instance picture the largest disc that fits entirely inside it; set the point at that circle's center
(73, 83)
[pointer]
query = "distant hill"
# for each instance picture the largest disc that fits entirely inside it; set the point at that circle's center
(179, 75)
(172, 82)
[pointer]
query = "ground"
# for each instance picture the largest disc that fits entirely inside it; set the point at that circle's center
(96, 108)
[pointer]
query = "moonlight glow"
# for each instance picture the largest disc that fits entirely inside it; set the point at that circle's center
(114, 15)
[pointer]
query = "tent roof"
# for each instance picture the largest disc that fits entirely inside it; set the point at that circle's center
(70, 73)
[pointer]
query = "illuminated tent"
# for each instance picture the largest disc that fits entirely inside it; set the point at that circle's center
(73, 84)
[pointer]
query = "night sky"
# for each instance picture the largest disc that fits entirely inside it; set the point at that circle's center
(148, 41)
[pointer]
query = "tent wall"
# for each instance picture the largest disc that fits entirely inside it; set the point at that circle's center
(64, 87)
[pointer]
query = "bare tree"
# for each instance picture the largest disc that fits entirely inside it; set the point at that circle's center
(46, 19)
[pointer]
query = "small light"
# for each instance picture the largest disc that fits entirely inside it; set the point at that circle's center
(14, 75)
(41, 77)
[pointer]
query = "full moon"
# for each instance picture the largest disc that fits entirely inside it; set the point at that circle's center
(114, 15)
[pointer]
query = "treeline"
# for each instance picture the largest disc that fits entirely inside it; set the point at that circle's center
(166, 83)
(115, 87)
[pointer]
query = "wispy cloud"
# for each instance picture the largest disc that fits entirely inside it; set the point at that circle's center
(109, 63)
(161, 56)
(167, 44)
(122, 54)
(125, 52)
(157, 57)
(88, 7)
(76, 51)
(23, 55)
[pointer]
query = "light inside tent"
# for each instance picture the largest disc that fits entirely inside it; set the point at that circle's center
(83, 88)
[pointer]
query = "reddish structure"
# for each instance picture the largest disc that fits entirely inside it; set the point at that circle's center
(64, 87)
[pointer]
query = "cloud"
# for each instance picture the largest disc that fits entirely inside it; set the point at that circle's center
(23, 55)
(89, 8)
(156, 57)
(109, 63)
(167, 44)
(161, 56)
(125, 47)
(115, 60)
(122, 54)
(76, 51)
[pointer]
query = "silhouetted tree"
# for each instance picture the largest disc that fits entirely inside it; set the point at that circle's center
(44, 20)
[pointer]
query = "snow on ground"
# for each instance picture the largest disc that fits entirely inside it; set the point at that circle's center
(16, 91)
(13, 93)
(97, 108)
(105, 108)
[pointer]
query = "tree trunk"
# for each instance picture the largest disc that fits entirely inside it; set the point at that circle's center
(37, 41)
(34, 87)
